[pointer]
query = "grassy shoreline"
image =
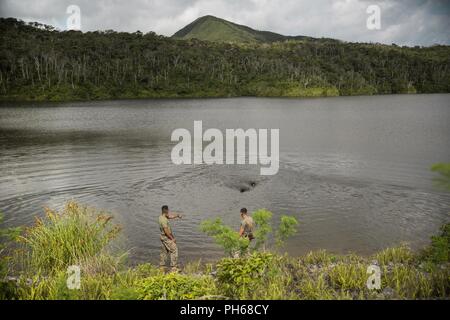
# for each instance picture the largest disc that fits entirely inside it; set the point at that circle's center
(82, 236)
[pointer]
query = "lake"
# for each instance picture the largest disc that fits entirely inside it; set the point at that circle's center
(355, 171)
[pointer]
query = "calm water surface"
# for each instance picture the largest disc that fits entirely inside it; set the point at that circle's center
(354, 171)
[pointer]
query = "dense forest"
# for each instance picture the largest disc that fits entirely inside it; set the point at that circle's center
(40, 63)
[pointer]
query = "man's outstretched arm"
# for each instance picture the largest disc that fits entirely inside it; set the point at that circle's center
(174, 215)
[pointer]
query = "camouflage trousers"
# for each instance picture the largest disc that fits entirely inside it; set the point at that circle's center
(168, 248)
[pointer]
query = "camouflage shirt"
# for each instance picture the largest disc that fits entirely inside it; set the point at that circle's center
(164, 223)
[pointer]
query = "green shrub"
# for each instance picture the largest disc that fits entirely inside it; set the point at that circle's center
(124, 293)
(262, 218)
(174, 286)
(146, 270)
(286, 229)
(232, 243)
(224, 236)
(439, 250)
(239, 276)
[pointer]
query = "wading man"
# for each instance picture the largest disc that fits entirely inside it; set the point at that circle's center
(168, 242)
(247, 225)
(246, 230)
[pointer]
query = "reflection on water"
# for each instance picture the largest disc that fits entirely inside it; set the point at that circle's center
(355, 171)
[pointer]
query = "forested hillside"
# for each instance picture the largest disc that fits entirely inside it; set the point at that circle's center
(40, 63)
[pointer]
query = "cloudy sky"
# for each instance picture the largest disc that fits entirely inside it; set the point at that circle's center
(404, 22)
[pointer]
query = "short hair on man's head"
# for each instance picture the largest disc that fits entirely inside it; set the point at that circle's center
(244, 210)
(165, 208)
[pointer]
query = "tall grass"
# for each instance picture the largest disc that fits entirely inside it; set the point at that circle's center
(76, 235)
(395, 255)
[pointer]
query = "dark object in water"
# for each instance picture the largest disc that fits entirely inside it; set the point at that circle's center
(242, 185)
(246, 188)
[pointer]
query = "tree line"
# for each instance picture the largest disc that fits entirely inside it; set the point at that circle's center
(38, 62)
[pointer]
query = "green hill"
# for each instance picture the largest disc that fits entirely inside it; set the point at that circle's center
(210, 28)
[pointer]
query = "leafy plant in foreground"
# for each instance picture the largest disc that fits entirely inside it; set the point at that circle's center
(230, 241)
(224, 236)
(238, 276)
(175, 286)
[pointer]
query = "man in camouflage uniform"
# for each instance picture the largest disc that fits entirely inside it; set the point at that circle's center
(168, 242)
(246, 230)
(247, 225)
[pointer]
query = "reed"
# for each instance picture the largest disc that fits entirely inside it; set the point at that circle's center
(77, 235)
